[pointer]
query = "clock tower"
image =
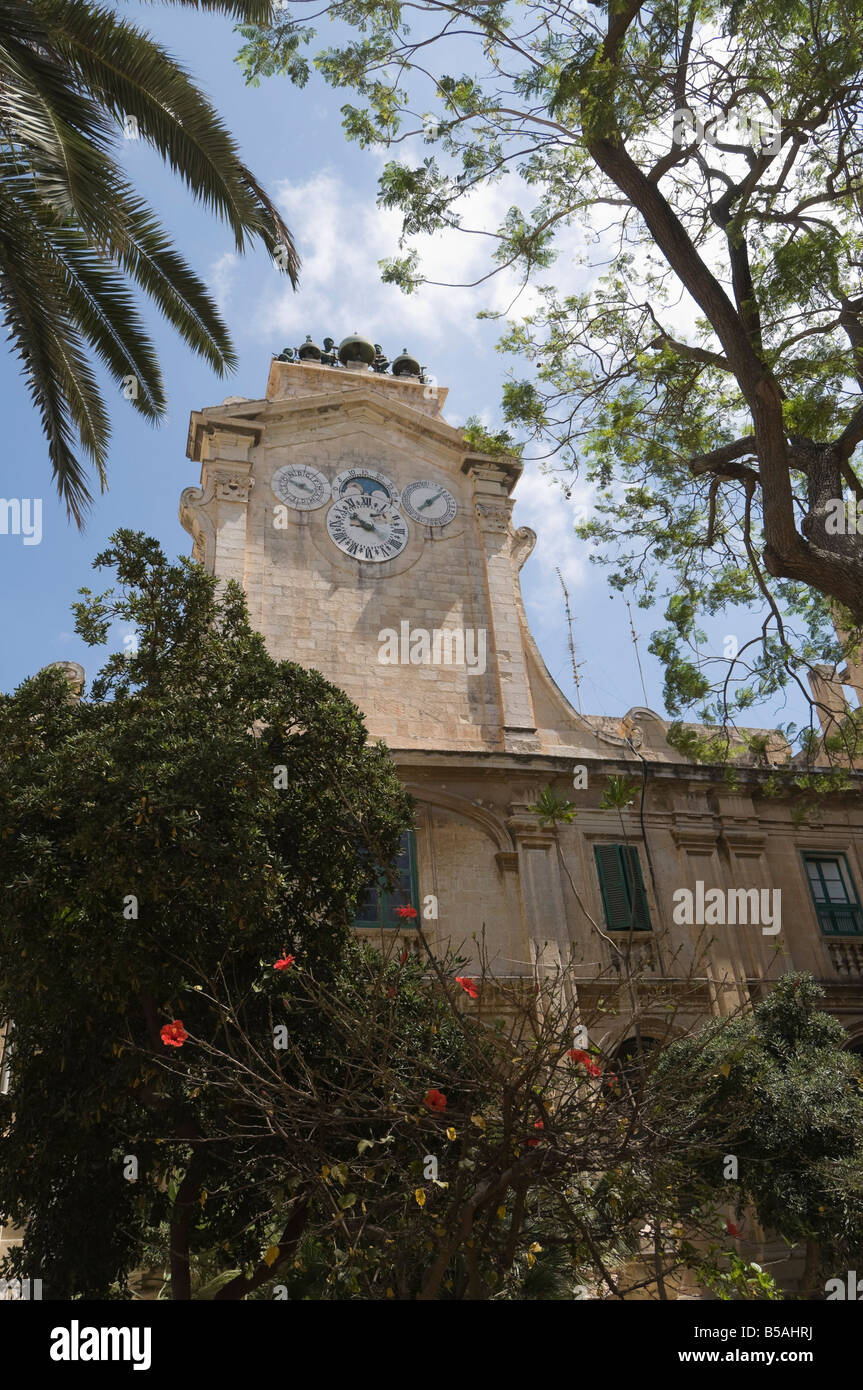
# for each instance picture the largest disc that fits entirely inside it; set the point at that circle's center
(377, 546)
(374, 545)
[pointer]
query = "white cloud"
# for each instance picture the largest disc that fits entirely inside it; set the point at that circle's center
(343, 235)
(222, 275)
(542, 505)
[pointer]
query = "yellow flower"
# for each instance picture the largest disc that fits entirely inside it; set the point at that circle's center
(420, 1197)
(451, 1134)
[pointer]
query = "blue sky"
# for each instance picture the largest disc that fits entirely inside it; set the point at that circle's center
(327, 189)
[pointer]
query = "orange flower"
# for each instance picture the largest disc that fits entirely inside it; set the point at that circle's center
(285, 963)
(174, 1034)
(436, 1101)
(467, 985)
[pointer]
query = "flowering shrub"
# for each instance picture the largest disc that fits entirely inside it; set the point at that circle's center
(174, 1034)
(584, 1059)
(436, 1101)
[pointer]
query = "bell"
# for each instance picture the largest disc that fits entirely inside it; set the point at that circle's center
(405, 365)
(309, 352)
(356, 349)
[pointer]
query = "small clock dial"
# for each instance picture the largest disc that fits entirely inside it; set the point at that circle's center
(301, 486)
(367, 530)
(365, 482)
(429, 503)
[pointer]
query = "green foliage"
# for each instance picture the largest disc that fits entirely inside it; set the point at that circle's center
(619, 793)
(793, 1099)
(498, 443)
(150, 860)
(550, 809)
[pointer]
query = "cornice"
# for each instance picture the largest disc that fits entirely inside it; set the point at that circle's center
(360, 400)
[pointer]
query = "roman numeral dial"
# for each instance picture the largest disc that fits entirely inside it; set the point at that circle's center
(366, 529)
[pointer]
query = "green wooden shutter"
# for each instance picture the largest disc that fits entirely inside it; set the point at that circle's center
(624, 899)
(638, 892)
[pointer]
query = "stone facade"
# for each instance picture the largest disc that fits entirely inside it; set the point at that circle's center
(477, 748)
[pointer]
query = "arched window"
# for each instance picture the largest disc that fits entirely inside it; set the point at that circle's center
(631, 1064)
(632, 1055)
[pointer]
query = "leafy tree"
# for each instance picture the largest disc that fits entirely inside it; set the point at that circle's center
(796, 1096)
(74, 77)
(205, 809)
(207, 1070)
(706, 380)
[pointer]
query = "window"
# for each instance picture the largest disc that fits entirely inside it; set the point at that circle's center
(624, 899)
(833, 894)
(377, 907)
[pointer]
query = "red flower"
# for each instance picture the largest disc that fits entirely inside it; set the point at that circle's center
(392, 992)
(467, 985)
(584, 1059)
(174, 1034)
(403, 957)
(284, 964)
(733, 1230)
(532, 1143)
(436, 1101)
(406, 912)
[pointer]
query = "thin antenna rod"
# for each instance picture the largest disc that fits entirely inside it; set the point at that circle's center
(637, 657)
(571, 643)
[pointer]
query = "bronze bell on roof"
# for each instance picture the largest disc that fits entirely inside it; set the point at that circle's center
(309, 352)
(405, 365)
(356, 349)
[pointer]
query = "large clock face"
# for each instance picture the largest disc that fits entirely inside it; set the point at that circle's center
(301, 486)
(367, 529)
(365, 482)
(429, 504)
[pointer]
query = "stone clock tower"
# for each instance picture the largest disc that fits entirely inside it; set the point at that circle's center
(374, 545)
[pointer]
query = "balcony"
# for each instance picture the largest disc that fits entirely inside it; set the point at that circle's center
(846, 957)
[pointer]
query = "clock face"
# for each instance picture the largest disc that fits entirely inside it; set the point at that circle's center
(367, 529)
(301, 486)
(365, 482)
(429, 504)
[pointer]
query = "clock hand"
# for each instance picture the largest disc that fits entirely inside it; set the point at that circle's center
(358, 521)
(429, 500)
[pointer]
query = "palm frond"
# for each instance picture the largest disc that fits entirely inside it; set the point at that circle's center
(73, 231)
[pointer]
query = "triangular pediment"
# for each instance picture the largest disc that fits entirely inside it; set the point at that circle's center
(354, 405)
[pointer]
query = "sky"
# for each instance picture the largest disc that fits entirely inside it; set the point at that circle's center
(326, 188)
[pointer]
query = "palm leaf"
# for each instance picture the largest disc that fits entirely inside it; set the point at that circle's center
(74, 233)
